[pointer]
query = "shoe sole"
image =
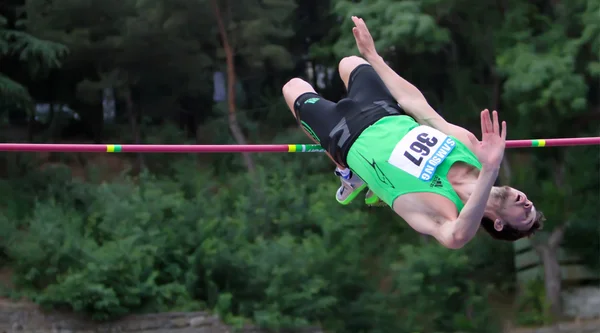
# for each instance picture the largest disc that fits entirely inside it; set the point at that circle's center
(353, 195)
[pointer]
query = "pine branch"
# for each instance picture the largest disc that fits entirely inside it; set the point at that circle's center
(12, 92)
(40, 55)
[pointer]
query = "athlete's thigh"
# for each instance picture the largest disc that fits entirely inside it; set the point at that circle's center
(316, 115)
(334, 125)
(365, 87)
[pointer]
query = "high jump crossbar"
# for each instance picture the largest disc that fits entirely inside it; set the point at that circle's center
(251, 148)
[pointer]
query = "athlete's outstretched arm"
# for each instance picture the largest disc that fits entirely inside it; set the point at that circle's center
(466, 225)
(406, 94)
(458, 232)
(453, 233)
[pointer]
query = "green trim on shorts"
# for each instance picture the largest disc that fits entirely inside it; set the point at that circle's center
(310, 131)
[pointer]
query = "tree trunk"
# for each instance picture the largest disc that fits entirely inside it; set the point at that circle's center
(506, 171)
(50, 123)
(135, 128)
(552, 276)
(30, 124)
(234, 126)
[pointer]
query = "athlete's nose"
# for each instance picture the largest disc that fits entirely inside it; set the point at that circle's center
(528, 204)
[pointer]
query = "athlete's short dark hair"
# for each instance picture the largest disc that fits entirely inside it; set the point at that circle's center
(511, 234)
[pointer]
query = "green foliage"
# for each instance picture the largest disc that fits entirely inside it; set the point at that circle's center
(196, 233)
(285, 259)
(431, 278)
(13, 94)
(492, 262)
(583, 238)
(405, 25)
(532, 307)
(565, 187)
(583, 235)
(91, 258)
(37, 55)
(258, 29)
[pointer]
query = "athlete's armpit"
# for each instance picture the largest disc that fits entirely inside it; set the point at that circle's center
(441, 230)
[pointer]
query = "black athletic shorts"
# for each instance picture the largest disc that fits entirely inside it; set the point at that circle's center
(337, 125)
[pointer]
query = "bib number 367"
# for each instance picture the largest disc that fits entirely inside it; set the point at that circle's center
(421, 151)
(422, 147)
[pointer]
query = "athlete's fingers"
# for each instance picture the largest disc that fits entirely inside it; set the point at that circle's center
(483, 122)
(503, 130)
(365, 26)
(496, 124)
(488, 120)
(362, 24)
(357, 29)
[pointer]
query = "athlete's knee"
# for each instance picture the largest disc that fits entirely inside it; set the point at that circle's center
(293, 89)
(351, 62)
(348, 64)
(296, 87)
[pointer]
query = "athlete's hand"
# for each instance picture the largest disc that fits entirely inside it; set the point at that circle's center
(490, 150)
(364, 40)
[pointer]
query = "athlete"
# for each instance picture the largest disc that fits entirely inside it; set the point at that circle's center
(435, 175)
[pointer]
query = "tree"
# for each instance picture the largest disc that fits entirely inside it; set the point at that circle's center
(234, 126)
(547, 85)
(141, 49)
(21, 48)
(247, 31)
(535, 63)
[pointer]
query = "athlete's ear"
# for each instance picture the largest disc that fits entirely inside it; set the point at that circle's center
(498, 225)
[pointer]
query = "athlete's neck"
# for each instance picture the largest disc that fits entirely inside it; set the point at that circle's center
(465, 187)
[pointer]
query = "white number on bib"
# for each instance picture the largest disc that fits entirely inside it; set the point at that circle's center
(421, 151)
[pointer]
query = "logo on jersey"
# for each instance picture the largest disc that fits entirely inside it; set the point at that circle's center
(378, 172)
(436, 182)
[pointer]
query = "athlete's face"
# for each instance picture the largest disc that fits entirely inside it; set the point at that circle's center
(516, 209)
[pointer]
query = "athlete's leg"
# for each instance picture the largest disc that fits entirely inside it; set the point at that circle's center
(292, 90)
(345, 68)
(347, 65)
(366, 88)
(364, 84)
(318, 118)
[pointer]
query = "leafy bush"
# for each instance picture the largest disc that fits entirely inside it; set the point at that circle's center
(438, 285)
(273, 247)
(532, 305)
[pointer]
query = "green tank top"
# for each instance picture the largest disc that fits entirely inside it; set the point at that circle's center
(396, 155)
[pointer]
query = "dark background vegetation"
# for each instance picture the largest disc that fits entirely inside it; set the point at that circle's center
(259, 237)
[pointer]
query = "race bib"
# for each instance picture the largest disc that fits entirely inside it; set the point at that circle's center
(421, 151)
